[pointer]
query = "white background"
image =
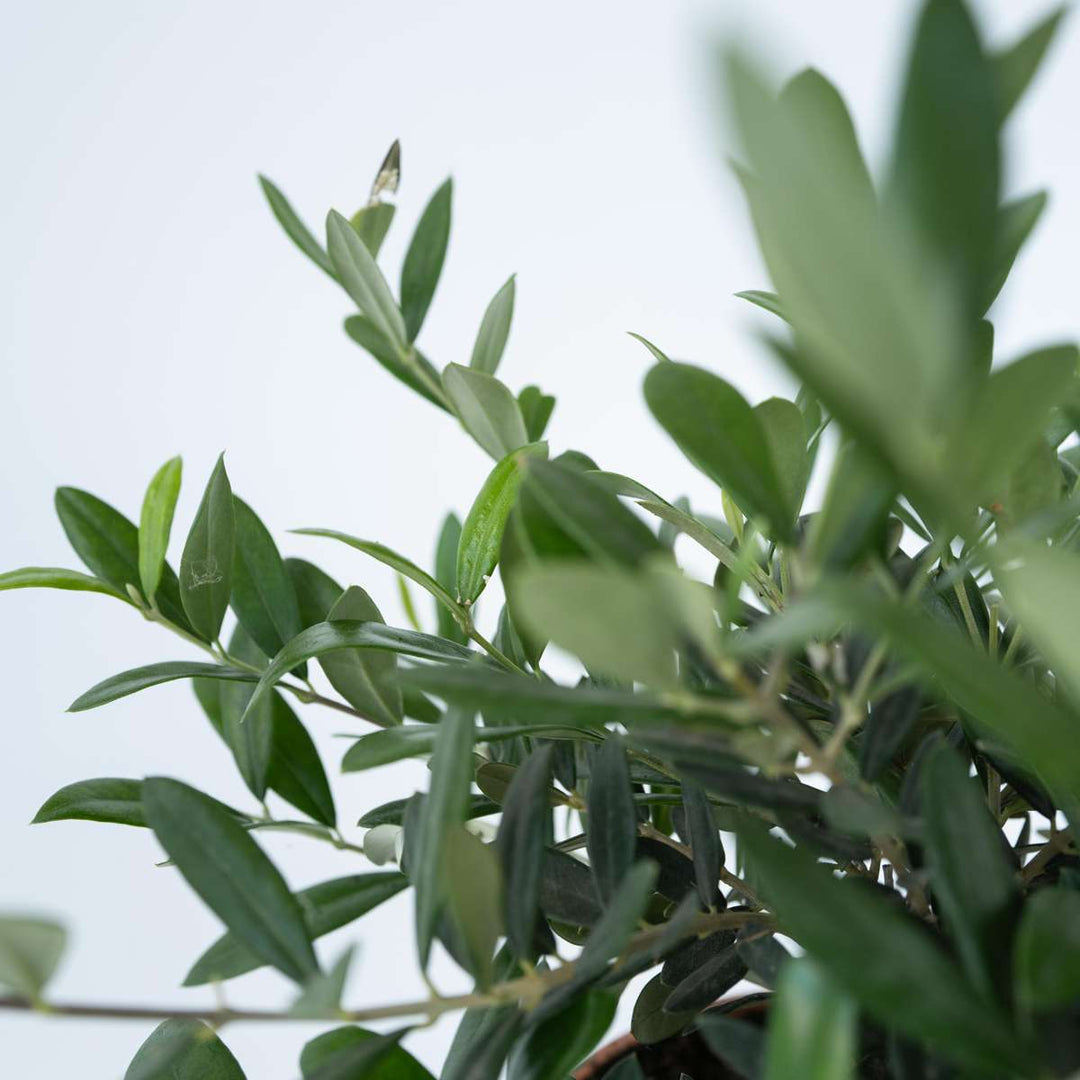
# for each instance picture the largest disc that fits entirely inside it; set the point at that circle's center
(151, 306)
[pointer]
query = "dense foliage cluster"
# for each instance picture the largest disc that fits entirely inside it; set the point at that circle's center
(847, 768)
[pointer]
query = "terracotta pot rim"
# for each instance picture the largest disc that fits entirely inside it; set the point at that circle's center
(615, 1051)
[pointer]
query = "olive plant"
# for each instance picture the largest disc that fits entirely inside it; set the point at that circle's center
(846, 768)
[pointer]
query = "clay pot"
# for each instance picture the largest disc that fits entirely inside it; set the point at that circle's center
(670, 1058)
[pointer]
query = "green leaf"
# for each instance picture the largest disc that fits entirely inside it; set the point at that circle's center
(1048, 950)
(494, 330)
(912, 985)
(184, 1050)
(1016, 399)
(813, 1030)
(658, 354)
(474, 899)
(1042, 587)
(767, 301)
(1015, 221)
(706, 983)
(130, 682)
(612, 619)
(109, 546)
(392, 559)
(365, 678)
(316, 591)
(612, 818)
(785, 432)
(1015, 67)
(392, 744)
(262, 596)
(520, 844)
(625, 910)
(330, 637)
(229, 871)
(393, 812)
(415, 371)
(486, 408)
(363, 280)
(321, 995)
(738, 1043)
(206, 565)
(370, 1056)
(371, 223)
(107, 799)
(30, 950)
(424, 260)
(651, 1023)
(876, 343)
(443, 808)
(974, 885)
(587, 708)
(719, 432)
(704, 840)
(294, 228)
(54, 577)
(814, 105)
(446, 551)
(481, 1043)
(946, 160)
(482, 533)
(552, 1049)
(295, 770)
(536, 408)
(325, 907)
(155, 524)
(557, 497)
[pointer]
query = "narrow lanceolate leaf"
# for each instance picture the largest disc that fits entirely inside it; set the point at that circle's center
(155, 524)
(945, 172)
(785, 433)
(107, 799)
(474, 899)
(612, 820)
(109, 546)
(392, 559)
(262, 596)
(719, 432)
(181, 1049)
(316, 591)
(913, 985)
(320, 997)
(55, 577)
(371, 223)
(767, 301)
(813, 1031)
(1047, 961)
(494, 330)
(294, 228)
(1015, 221)
(446, 550)
(482, 533)
(363, 280)
(206, 565)
(558, 498)
(393, 812)
(30, 949)
(520, 844)
(295, 770)
(625, 909)
(225, 866)
(486, 408)
(444, 807)
(657, 354)
(705, 843)
(329, 637)
(365, 678)
(415, 370)
(354, 1059)
(536, 408)
(131, 682)
(974, 886)
(325, 907)
(424, 260)
(1015, 67)
(552, 1049)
